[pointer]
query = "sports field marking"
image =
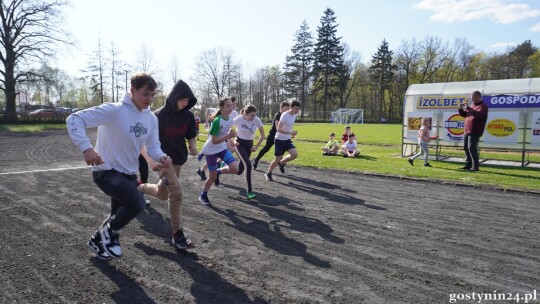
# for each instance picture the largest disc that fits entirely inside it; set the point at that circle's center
(44, 170)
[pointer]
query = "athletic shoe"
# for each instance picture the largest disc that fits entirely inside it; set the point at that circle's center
(147, 202)
(281, 168)
(268, 177)
(255, 163)
(203, 198)
(96, 246)
(201, 174)
(427, 165)
(473, 169)
(110, 239)
(411, 162)
(216, 182)
(251, 195)
(180, 241)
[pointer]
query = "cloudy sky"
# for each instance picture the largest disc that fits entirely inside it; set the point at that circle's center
(261, 32)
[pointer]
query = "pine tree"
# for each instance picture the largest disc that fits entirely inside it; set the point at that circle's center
(298, 66)
(382, 71)
(328, 61)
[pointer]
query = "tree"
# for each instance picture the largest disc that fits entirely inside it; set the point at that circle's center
(348, 78)
(96, 70)
(145, 58)
(327, 60)
(215, 69)
(30, 29)
(382, 71)
(298, 66)
(520, 59)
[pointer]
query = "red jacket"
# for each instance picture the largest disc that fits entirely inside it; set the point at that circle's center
(475, 118)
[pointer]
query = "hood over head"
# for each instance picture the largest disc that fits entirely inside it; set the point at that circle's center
(180, 90)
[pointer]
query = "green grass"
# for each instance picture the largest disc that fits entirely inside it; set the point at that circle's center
(380, 146)
(31, 127)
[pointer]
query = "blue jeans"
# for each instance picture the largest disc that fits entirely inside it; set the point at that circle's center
(126, 201)
(470, 146)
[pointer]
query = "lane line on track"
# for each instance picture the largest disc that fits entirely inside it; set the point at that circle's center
(44, 170)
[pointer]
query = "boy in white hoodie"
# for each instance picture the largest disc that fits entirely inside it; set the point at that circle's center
(123, 128)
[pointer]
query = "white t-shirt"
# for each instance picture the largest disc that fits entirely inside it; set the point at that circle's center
(220, 126)
(234, 114)
(246, 129)
(286, 121)
(350, 146)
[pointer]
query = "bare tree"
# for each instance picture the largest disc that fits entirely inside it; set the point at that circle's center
(145, 56)
(30, 29)
(174, 69)
(215, 68)
(433, 56)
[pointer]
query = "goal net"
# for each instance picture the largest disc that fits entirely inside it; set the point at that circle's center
(347, 116)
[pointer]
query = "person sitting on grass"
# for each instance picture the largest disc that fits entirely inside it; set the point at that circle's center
(346, 134)
(332, 146)
(350, 148)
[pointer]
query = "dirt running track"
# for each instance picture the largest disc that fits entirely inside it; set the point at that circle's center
(312, 236)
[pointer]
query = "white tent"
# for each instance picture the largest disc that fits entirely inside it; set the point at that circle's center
(513, 119)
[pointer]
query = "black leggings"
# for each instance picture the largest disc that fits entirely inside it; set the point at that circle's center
(267, 146)
(244, 153)
(143, 169)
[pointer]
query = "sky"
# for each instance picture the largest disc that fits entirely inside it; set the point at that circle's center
(261, 33)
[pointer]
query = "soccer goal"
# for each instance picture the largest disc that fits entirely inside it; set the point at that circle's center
(347, 116)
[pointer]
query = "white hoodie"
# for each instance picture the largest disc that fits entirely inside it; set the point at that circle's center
(122, 130)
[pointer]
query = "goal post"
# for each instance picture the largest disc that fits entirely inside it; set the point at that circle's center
(346, 116)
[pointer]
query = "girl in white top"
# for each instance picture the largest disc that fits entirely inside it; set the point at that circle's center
(424, 138)
(246, 125)
(216, 147)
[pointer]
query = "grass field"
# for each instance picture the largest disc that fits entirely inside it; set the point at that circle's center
(380, 146)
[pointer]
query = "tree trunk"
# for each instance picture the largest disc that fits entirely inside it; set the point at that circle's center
(10, 88)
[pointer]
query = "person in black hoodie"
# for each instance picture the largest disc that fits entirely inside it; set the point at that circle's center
(176, 125)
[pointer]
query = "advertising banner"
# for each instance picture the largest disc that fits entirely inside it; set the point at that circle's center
(440, 102)
(452, 127)
(414, 123)
(502, 128)
(535, 128)
(512, 101)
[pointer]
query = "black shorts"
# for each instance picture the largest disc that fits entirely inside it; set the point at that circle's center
(282, 146)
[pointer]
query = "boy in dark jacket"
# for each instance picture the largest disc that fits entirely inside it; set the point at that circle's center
(176, 125)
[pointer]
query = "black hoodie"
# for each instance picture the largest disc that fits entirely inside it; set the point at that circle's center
(175, 126)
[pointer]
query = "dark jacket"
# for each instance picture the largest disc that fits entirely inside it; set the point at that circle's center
(475, 118)
(175, 126)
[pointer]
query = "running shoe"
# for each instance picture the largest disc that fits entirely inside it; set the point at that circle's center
(181, 242)
(203, 198)
(255, 163)
(201, 174)
(96, 246)
(111, 240)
